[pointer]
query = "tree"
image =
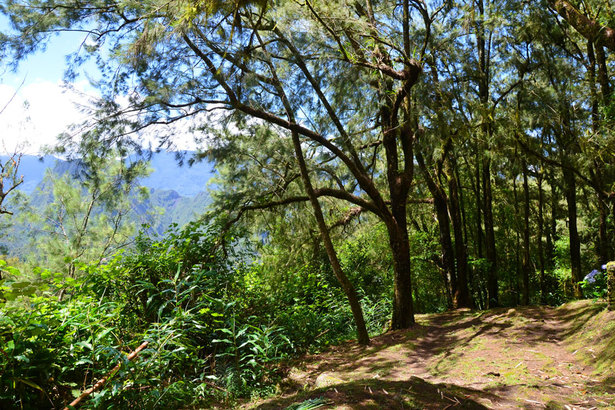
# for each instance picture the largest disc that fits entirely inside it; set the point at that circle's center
(86, 220)
(9, 171)
(589, 26)
(351, 95)
(193, 58)
(9, 179)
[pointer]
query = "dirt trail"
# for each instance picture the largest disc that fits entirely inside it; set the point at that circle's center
(503, 358)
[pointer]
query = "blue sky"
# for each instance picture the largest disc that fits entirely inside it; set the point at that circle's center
(41, 107)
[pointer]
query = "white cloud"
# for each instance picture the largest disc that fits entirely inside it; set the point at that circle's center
(37, 114)
(40, 111)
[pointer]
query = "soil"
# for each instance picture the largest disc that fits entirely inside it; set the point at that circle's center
(529, 357)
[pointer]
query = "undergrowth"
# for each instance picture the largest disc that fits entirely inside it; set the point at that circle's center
(216, 333)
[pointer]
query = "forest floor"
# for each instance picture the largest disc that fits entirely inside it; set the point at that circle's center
(527, 357)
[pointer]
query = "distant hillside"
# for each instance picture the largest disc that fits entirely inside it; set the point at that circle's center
(177, 195)
(185, 180)
(166, 174)
(174, 208)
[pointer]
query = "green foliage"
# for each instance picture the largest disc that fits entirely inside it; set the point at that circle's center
(594, 285)
(86, 214)
(51, 348)
(212, 325)
(309, 404)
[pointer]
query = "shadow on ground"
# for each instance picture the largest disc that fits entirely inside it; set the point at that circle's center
(414, 393)
(530, 357)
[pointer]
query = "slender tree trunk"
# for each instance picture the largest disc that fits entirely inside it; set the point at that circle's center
(464, 223)
(462, 295)
(479, 232)
(492, 269)
(479, 209)
(603, 74)
(517, 230)
(526, 238)
(541, 256)
(347, 287)
(446, 244)
(602, 245)
(575, 243)
(483, 47)
(552, 236)
(604, 250)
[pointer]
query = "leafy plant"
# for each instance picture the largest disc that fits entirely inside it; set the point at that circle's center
(594, 284)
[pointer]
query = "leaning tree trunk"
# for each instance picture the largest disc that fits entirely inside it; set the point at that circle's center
(347, 287)
(446, 243)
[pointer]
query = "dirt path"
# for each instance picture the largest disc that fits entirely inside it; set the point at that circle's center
(505, 358)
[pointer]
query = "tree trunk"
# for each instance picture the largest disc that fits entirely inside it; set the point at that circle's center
(441, 207)
(479, 235)
(462, 295)
(347, 287)
(490, 249)
(541, 257)
(552, 236)
(610, 282)
(446, 244)
(602, 244)
(517, 249)
(604, 250)
(526, 238)
(403, 309)
(575, 243)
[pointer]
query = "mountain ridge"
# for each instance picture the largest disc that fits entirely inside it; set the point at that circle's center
(167, 173)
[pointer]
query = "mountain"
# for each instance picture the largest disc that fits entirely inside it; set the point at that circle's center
(167, 173)
(174, 208)
(177, 194)
(184, 179)
(32, 168)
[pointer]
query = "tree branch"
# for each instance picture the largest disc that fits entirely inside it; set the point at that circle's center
(588, 28)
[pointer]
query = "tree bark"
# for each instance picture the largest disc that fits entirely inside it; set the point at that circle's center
(347, 287)
(552, 236)
(490, 248)
(462, 295)
(446, 243)
(483, 48)
(403, 308)
(575, 243)
(610, 278)
(588, 28)
(541, 256)
(526, 238)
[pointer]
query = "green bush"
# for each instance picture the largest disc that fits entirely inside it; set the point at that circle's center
(217, 326)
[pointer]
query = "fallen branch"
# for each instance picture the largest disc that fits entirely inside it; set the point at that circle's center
(102, 381)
